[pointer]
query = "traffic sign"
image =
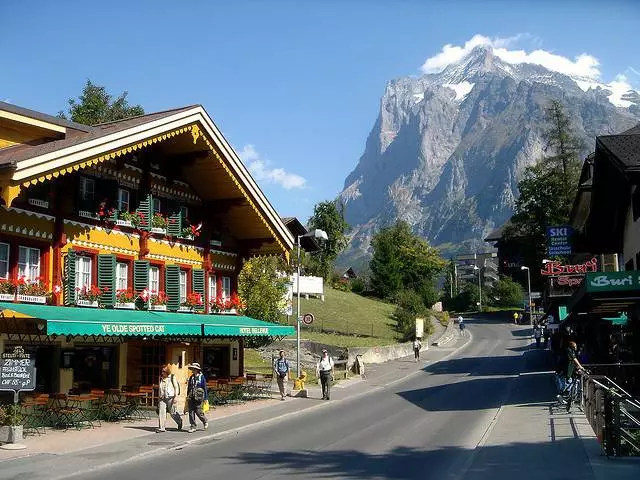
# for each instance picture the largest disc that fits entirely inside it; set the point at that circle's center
(307, 319)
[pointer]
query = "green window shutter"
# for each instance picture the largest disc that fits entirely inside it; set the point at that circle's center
(140, 275)
(70, 278)
(172, 286)
(197, 280)
(174, 225)
(107, 279)
(145, 208)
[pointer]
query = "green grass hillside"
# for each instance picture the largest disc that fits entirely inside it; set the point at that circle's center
(346, 313)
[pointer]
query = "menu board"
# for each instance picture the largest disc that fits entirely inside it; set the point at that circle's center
(17, 371)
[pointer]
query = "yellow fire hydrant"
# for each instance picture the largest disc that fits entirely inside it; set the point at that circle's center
(298, 383)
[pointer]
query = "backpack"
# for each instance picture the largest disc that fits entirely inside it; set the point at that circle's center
(176, 385)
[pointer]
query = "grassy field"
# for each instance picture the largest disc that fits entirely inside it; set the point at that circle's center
(346, 313)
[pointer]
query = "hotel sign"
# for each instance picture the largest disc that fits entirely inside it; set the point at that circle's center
(254, 331)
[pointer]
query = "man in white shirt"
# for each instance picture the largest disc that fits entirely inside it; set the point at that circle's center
(324, 369)
(416, 349)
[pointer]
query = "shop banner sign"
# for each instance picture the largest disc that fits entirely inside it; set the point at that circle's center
(559, 240)
(612, 281)
(60, 327)
(17, 371)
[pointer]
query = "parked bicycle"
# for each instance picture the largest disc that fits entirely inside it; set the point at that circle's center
(572, 393)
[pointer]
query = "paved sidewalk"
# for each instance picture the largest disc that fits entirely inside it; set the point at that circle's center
(531, 438)
(59, 454)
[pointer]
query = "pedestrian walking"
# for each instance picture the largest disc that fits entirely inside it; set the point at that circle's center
(461, 324)
(416, 349)
(196, 396)
(537, 334)
(281, 367)
(546, 336)
(515, 317)
(324, 369)
(168, 391)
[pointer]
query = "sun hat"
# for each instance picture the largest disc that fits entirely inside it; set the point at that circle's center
(194, 366)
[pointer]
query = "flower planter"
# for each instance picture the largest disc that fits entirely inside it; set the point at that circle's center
(231, 311)
(7, 297)
(86, 214)
(87, 303)
(125, 306)
(159, 308)
(187, 237)
(32, 298)
(162, 231)
(184, 309)
(124, 223)
(11, 434)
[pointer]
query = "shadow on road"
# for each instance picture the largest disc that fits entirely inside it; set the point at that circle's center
(402, 463)
(525, 332)
(478, 366)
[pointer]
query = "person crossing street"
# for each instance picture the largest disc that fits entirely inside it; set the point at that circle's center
(281, 367)
(324, 369)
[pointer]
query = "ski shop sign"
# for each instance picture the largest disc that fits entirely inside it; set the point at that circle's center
(559, 241)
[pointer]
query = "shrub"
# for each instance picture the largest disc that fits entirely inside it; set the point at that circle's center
(358, 285)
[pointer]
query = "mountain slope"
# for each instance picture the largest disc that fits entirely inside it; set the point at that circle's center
(447, 149)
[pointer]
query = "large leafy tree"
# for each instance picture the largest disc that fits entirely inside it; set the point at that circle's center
(95, 105)
(262, 285)
(547, 189)
(328, 216)
(404, 261)
(506, 293)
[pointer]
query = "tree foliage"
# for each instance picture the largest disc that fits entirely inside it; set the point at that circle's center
(328, 216)
(95, 105)
(403, 261)
(262, 285)
(547, 189)
(506, 293)
(410, 306)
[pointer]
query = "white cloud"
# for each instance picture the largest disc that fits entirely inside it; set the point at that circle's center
(262, 172)
(634, 71)
(583, 65)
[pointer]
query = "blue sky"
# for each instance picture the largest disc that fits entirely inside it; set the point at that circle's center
(294, 85)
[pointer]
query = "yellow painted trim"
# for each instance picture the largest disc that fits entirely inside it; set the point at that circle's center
(12, 313)
(32, 121)
(108, 156)
(238, 184)
(10, 193)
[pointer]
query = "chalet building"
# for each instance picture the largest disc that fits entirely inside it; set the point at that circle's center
(120, 247)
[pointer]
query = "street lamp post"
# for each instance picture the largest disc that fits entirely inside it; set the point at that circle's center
(529, 286)
(479, 286)
(317, 233)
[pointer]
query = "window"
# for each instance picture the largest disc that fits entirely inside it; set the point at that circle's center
(154, 279)
(226, 287)
(122, 276)
(183, 286)
(123, 200)
(213, 288)
(29, 264)
(4, 261)
(83, 273)
(87, 188)
(156, 205)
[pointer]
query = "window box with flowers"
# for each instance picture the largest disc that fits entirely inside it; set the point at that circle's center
(159, 224)
(127, 219)
(193, 301)
(227, 306)
(158, 301)
(32, 292)
(89, 297)
(106, 213)
(125, 299)
(7, 291)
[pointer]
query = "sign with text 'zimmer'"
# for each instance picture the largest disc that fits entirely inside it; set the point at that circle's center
(17, 371)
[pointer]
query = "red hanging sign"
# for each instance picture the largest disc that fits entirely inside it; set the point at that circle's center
(557, 268)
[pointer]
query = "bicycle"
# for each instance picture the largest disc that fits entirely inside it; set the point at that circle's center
(572, 393)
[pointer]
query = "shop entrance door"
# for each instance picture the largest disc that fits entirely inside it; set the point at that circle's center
(215, 362)
(94, 367)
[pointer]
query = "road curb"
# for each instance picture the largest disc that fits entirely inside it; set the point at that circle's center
(222, 434)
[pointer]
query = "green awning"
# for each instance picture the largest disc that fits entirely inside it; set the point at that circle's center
(107, 322)
(241, 326)
(99, 321)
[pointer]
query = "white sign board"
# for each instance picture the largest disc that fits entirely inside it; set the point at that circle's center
(308, 285)
(419, 327)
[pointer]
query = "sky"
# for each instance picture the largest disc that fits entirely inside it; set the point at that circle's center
(295, 86)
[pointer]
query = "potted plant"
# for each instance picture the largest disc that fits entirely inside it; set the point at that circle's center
(89, 297)
(191, 231)
(193, 301)
(105, 213)
(11, 419)
(33, 292)
(159, 223)
(7, 290)
(128, 219)
(125, 299)
(158, 301)
(231, 305)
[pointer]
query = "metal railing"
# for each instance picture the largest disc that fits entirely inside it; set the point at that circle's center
(613, 414)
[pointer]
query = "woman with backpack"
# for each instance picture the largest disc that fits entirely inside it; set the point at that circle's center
(196, 396)
(168, 391)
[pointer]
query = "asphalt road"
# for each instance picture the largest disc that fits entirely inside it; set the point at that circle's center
(425, 426)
